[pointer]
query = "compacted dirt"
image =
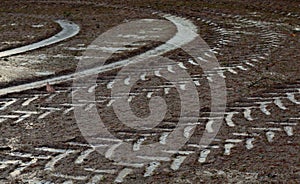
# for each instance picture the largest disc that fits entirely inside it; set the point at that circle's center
(256, 44)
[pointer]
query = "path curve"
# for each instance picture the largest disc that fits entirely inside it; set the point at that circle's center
(186, 32)
(69, 29)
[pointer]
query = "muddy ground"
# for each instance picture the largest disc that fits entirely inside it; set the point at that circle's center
(256, 43)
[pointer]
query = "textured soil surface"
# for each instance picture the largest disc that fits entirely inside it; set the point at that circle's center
(257, 46)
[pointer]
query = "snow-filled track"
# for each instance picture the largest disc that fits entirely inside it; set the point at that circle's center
(185, 34)
(69, 29)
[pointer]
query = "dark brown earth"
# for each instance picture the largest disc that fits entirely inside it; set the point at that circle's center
(275, 75)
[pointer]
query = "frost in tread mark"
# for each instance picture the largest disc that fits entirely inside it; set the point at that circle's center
(163, 138)
(270, 136)
(123, 174)
(208, 127)
(28, 101)
(103, 171)
(242, 68)
(197, 83)
(203, 155)
(167, 90)
(110, 85)
(193, 62)
(278, 102)
(136, 145)
(49, 111)
(92, 88)
(229, 117)
(288, 130)
(7, 103)
(263, 108)
(127, 81)
(149, 94)
(26, 115)
(292, 98)
(177, 162)
(182, 87)
(156, 73)
(227, 148)
(247, 113)
(110, 103)
(170, 69)
(187, 131)
(50, 165)
(110, 151)
(181, 65)
(150, 169)
(143, 76)
(249, 144)
(70, 177)
(202, 59)
(83, 156)
(18, 171)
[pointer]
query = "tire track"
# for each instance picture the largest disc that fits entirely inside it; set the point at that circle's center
(282, 99)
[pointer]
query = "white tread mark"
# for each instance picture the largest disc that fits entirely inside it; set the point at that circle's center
(150, 169)
(7, 103)
(167, 90)
(81, 178)
(278, 102)
(18, 170)
(104, 171)
(92, 88)
(193, 62)
(292, 98)
(249, 144)
(187, 131)
(229, 117)
(181, 65)
(110, 103)
(123, 174)
(127, 81)
(288, 130)
(186, 32)
(170, 69)
(177, 162)
(110, 85)
(263, 108)
(202, 59)
(203, 155)
(136, 145)
(228, 148)
(208, 127)
(270, 136)
(247, 114)
(83, 156)
(28, 101)
(157, 74)
(109, 153)
(149, 94)
(51, 164)
(143, 76)
(197, 83)
(163, 138)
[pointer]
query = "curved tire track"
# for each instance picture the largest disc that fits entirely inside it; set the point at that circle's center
(184, 27)
(69, 29)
